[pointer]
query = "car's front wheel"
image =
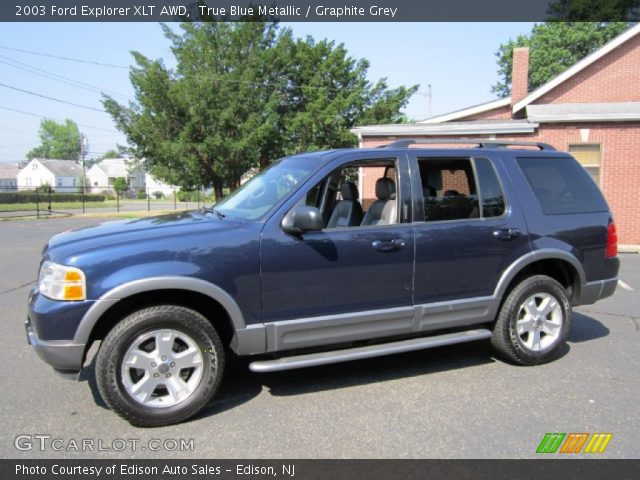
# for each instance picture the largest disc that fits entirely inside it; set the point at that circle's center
(160, 365)
(534, 321)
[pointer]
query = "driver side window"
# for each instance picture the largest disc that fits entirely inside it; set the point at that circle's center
(357, 194)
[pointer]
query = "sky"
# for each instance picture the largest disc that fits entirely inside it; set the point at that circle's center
(456, 59)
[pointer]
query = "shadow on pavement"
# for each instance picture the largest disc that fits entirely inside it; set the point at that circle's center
(585, 328)
(240, 385)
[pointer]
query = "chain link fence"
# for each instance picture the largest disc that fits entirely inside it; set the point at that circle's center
(46, 201)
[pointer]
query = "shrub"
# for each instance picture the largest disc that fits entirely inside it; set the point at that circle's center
(158, 195)
(141, 195)
(33, 197)
(189, 195)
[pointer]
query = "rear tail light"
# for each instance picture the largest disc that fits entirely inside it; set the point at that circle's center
(612, 240)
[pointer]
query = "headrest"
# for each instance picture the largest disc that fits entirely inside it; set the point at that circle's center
(385, 188)
(349, 191)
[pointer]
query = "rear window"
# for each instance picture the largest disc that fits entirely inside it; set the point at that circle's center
(562, 185)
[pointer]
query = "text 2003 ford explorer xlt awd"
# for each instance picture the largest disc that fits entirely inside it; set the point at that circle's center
(297, 268)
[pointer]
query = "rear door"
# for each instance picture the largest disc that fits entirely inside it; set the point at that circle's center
(468, 230)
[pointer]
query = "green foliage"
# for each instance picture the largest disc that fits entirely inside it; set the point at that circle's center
(141, 194)
(189, 195)
(31, 196)
(158, 195)
(243, 94)
(595, 10)
(120, 185)
(109, 154)
(554, 47)
(58, 141)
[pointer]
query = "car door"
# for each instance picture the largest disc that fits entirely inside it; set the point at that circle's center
(338, 284)
(467, 233)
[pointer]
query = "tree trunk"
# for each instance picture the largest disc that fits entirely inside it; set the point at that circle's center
(217, 188)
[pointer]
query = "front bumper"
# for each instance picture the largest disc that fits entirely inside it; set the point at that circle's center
(64, 356)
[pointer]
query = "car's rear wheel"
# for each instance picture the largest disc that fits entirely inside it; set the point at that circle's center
(160, 365)
(534, 321)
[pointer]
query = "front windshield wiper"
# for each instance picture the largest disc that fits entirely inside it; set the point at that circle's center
(213, 210)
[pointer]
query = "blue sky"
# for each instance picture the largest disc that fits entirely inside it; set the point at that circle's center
(456, 59)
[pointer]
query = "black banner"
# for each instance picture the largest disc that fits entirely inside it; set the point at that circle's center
(321, 469)
(316, 11)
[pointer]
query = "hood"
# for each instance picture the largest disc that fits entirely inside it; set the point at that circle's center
(126, 231)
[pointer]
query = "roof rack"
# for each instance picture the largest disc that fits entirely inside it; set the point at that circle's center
(479, 142)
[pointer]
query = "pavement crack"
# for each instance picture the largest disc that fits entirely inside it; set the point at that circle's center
(18, 287)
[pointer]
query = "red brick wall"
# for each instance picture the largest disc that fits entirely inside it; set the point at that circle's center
(501, 113)
(613, 78)
(619, 171)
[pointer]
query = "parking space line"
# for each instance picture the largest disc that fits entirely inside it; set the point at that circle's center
(625, 286)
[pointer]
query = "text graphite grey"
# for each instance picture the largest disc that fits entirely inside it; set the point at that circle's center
(233, 11)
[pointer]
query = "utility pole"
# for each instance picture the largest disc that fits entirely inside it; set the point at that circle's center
(84, 149)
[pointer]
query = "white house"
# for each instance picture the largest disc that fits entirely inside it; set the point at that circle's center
(155, 185)
(62, 175)
(8, 177)
(102, 176)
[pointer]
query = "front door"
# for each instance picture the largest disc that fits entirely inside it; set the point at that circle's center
(344, 283)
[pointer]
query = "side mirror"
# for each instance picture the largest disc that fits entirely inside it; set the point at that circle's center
(303, 219)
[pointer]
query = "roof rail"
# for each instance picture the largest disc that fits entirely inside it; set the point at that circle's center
(479, 142)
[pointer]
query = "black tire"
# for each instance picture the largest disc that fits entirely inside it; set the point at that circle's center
(509, 343)
(109, 364)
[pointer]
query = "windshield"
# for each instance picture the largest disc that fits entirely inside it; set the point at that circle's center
(256, 197)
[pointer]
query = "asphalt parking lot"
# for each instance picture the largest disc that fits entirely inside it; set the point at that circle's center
(451, 402)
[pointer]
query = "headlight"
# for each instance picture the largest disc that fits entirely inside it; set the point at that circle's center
(59, 282)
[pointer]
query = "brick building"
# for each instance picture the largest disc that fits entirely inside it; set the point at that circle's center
(591, 110)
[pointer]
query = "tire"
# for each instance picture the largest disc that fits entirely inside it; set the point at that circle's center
(534, 322)
(148, 389)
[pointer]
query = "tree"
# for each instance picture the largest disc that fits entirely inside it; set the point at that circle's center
(241, 95)
(109, 154)
(60, 141)
(120, 185)
(595, 10)
(554, 47)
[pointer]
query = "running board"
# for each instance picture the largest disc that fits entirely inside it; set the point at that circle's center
(358, 353)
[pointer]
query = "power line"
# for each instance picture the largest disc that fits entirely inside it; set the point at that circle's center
(45, 116)
(58, 78)
(69, 59)
(28, 92)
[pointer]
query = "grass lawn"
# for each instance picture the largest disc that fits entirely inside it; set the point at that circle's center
(12, 207)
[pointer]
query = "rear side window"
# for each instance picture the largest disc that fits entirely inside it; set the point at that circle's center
(562, 186)
(491, 194)
(448, 189)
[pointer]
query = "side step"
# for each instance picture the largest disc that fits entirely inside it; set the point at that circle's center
(358, 353)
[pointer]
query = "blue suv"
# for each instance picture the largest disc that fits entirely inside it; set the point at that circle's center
(329, 257)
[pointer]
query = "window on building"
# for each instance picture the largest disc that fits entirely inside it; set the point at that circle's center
(589, 155)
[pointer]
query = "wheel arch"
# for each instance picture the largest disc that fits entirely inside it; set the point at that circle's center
(557, 264)
(204, 297)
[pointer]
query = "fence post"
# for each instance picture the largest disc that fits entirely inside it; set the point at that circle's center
(118, 200)
(49, 206)
(83, 187)
(198, 198)
(148, 199)
(175, 201)
(37, 202)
